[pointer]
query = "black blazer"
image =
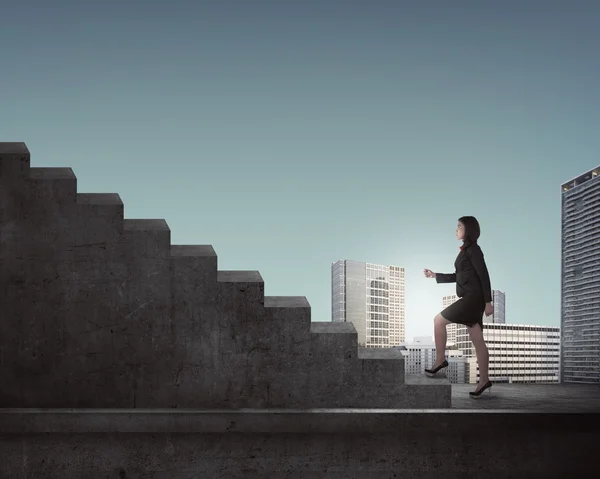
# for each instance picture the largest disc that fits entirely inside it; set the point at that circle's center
(471, 276)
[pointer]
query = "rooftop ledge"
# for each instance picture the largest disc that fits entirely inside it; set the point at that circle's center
(278, 421)
(522, 406)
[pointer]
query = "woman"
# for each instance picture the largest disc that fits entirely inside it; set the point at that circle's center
(473, 288)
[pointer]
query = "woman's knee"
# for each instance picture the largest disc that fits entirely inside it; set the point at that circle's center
(476, 334)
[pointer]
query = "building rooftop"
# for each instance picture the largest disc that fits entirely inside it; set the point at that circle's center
(580, 179)
(579, 398)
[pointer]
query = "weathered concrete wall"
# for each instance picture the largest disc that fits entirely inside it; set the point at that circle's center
(101, 311)
(296, 444)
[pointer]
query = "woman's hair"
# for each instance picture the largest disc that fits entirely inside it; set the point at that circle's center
(472, 230)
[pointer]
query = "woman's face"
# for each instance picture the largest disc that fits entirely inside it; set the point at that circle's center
(460, 231)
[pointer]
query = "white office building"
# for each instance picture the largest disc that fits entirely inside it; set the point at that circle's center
(518, 353)
(580, 279)
(420, 355)
(372, 297)
(499, 316)
(459, 368)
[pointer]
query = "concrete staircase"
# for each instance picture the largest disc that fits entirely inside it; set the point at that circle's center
(123, 356)
(99, 311)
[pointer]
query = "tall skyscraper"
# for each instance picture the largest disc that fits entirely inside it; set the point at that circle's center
(580, 279)
(372, 297)
(499, 302)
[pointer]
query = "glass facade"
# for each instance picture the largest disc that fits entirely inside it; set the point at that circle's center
(338, 291)
(372, 298)
(580, 279)
(499, 302)
(356, 305)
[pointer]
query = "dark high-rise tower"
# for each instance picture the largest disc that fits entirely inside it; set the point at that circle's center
(580, 279)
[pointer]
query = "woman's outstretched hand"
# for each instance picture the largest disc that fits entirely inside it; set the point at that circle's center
(429, 273)
(489, 309)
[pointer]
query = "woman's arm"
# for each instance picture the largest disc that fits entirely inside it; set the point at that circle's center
(478, 262)
(445, 277)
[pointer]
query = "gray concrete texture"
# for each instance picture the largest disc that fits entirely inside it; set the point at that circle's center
(519, 431)
(99, 311)
(296, 444)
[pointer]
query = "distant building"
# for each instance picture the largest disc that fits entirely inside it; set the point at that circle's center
(420, 354)
(499, 302)
(459, 367)
(372, 297)
(580, 279)
(518, 353)
(499, 316)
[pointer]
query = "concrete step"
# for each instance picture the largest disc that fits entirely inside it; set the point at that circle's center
(350, 376)
(14, 162)
(290, 318)
(286, 302)
(147, 238)
(249, 283)
(56, 185)
(336, 336)
(99, 199)
(289, 339)
(194, 266)
(424, 390)
(146, 244)
(194, 293)
(239, 277)
(107, 207)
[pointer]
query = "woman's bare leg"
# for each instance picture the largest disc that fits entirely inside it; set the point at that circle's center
(481, 351)
(440, 335)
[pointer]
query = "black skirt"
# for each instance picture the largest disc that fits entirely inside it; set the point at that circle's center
(468, 310)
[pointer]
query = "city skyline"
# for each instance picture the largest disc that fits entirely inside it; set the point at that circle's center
(289, 136)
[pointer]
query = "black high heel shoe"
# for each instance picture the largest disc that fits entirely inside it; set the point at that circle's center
(431, 372)
(476, 394)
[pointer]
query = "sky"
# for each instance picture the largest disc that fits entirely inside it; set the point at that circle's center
(292, 134)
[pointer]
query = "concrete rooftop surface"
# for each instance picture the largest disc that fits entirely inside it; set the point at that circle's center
(578, 398)
(560, 398)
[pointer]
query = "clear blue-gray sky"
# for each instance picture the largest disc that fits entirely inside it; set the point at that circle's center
(290, 134)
